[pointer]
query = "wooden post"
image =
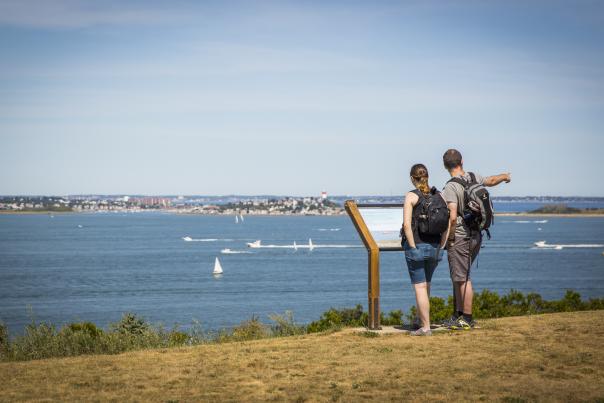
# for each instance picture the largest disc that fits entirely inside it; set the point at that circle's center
(373, 270)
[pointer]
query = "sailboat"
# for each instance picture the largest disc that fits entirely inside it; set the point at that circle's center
(310, 245)
(295, 246)
(236, 219)
(241, 217)
(217, 268)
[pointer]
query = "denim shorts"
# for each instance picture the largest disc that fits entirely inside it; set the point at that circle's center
(422, 261)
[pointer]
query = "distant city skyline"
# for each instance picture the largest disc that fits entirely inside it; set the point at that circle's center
(293, 98)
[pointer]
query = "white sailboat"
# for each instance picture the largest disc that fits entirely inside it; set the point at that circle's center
(241, 217)
(236, 219)
(217, 268)
(310, 245)
(295, 246)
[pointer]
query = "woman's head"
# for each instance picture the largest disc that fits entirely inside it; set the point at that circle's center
(419, 177)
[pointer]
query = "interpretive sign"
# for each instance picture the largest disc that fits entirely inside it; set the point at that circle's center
(379, 227)
(384, 224)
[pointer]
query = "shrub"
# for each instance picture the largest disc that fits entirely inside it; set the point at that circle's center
(338, 318)
(285, 325)
(87, 328)
(4, 344)
(251, 329)
(178, 338)
(131, 324)
(41, 340)
(38, 341)
(394, 318)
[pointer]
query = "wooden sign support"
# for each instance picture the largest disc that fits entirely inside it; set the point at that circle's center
(373, 252)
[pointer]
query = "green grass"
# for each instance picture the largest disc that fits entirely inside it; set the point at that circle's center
(132, 332)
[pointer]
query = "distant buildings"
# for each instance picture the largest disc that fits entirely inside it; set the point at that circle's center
(211, 205)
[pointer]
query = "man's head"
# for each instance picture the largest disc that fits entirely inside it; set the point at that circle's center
(452, 159)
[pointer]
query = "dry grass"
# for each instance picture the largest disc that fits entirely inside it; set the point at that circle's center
(547, 357)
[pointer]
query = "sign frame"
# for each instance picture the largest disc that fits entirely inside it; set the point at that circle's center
(373, 254)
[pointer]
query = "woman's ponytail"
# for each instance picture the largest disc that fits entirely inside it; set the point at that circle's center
(419, 173)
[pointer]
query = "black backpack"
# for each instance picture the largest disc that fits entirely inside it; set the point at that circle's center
(478, 207)
(430, 215)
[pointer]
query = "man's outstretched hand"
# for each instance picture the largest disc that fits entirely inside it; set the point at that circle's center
(497, 179)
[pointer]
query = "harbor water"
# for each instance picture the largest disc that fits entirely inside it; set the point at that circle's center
(95, 267)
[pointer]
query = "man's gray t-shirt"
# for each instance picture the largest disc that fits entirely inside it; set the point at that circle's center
(454, 193)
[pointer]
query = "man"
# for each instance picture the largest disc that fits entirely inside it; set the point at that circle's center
(463, 243)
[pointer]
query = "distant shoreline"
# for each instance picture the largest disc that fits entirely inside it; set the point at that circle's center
(529, 214)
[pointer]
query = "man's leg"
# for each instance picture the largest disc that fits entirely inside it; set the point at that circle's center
(459, 265)
(475, 243)
(467, 296)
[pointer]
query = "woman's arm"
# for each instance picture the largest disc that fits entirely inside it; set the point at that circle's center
(410, 201)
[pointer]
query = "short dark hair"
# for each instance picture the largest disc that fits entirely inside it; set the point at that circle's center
(452, 159)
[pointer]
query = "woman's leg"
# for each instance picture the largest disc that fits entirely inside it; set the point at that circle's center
(423, 304)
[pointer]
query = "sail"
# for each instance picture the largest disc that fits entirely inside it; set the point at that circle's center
(236, 219)
(310, 245)
(295, 246)
(241, 217)
(217, 267)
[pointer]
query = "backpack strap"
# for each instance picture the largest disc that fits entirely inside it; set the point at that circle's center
(472, 178)
(417, 192)
(459, 181)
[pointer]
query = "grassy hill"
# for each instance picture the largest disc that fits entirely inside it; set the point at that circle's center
(551, 357)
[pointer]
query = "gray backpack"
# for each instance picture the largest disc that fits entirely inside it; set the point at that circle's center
(478, 207)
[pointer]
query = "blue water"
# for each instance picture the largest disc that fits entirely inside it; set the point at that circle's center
(523, 206)
(117, 263)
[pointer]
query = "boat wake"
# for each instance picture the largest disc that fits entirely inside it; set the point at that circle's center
(228, 251)
(189, 239)
(310, 246)
(545, 245)
(527, 222)
(329, 229)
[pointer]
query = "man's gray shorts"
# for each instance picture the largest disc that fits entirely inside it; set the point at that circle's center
(459, 256)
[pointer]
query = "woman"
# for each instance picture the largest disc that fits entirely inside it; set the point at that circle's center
(423, 251)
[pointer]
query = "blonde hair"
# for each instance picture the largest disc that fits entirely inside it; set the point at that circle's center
(419, 177)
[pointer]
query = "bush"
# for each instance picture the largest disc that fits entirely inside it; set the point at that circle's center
(178, 338)
(131, 324)
(338, 318)
(3, 341)
(41, 340)
(251, 329)
(285, 325)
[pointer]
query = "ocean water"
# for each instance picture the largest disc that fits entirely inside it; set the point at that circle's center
(95, 267)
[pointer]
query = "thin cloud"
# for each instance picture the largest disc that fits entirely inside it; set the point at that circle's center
(69, 14)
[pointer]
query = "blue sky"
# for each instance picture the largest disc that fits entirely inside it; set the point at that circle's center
(180, 97)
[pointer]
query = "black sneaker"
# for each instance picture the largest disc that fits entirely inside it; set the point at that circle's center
(449, 322)
(462, 324)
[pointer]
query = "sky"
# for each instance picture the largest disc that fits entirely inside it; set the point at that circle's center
(227, 97)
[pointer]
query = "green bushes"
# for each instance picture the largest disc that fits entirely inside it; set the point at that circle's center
(285, 325)
(338, 318)
(41, 340)
(3, 340)
(487, 304)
